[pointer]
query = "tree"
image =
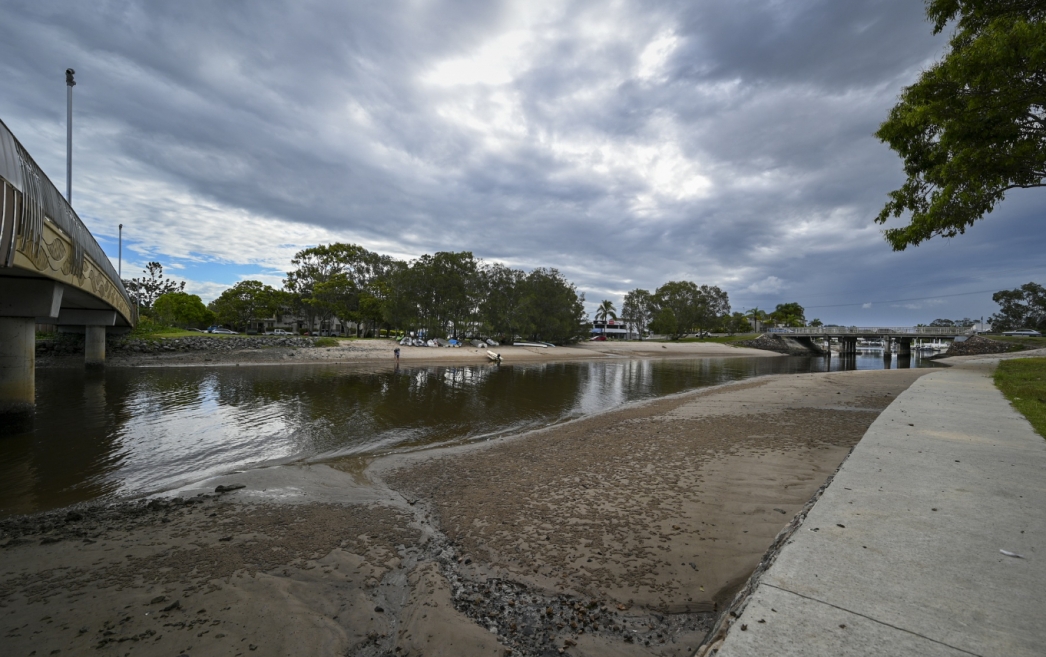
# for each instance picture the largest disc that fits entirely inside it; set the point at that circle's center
(1023, 308)
(636, 310)
(148, 288)
(182, 309)
(789, 314)
(694, 308)
(605, 311)
(974, 126)
(665, 323)
(245, 301)
(501, 311)
(735, 323)
(816, 322)
(552, 308)
(757, 317)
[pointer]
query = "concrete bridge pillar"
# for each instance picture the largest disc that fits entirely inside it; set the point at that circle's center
(93, 323)
(22, 301)
(904, 347)
(17, 365)
(94, 346)
(887, 346)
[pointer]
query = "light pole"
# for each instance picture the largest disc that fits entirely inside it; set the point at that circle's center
(69, 83)
(119, 255)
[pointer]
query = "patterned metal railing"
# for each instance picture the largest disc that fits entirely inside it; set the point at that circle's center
(28, 197)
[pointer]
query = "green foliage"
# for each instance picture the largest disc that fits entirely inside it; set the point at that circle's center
(1023, 308)
(735, 323)
(326, 342)
(552, 308)
(1023, 382)
(973, 126)
(147, 289)
(816, 322)
(757, 318)
(182, 309)
(665, 323)
(637, 310)
(605, 312)
(245, 301)
(945, 323)
(789, 314)
(694, 308)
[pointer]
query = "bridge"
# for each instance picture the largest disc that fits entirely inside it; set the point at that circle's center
(849, 335)
(52, 271)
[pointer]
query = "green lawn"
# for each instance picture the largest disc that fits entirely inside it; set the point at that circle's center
(1023, 382)
(1024, 342)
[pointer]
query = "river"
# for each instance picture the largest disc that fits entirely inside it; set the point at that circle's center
(126, 432)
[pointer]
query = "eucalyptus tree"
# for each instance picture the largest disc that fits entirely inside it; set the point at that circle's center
(636, 310)
(693, 307)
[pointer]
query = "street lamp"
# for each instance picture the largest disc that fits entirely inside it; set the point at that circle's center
(69, 83)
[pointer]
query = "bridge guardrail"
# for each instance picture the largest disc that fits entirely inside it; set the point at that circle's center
(915, 331)
(40, 199)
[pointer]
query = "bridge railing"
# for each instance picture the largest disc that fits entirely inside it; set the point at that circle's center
(24, 220)
(914, 331)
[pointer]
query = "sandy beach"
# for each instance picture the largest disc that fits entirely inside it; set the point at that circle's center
(616, 534)
(381, 351)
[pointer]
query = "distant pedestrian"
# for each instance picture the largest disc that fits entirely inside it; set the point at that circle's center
(397, 352)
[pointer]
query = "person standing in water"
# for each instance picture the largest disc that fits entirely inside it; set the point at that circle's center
(396, 351)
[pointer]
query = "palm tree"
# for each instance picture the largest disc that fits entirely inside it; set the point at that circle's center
(757, 316)
(606, 309)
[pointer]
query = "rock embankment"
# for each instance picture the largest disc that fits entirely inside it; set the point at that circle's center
(978, 345)
(771, 342)
(69, 344)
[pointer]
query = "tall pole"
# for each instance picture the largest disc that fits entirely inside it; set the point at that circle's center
(69, 83)
(119, 256)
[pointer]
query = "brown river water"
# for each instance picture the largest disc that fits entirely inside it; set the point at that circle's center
(128, 432)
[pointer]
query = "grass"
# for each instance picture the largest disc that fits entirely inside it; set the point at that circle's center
(326, 342)
(1023, 382)
(1022, 341)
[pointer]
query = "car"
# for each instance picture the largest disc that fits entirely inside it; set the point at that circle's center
(222, 331)
(278, 332)
(598, 338)
(1024, 333)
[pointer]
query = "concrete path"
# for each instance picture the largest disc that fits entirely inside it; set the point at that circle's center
(902, 553)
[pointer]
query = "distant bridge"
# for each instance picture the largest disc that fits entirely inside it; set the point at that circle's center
(849, 335)
(52, 271)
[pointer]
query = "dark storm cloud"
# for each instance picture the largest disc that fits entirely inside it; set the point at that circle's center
(626, 144)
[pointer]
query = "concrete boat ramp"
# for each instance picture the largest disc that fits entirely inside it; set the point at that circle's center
(913, 548)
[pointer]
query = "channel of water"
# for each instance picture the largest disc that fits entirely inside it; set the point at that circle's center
(127, 432)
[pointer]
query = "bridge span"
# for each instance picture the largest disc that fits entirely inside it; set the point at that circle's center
(52, 271)
(848, 336)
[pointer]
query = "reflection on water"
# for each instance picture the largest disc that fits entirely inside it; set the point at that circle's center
(125, 432)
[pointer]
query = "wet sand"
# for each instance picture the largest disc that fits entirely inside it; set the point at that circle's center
(618, 534)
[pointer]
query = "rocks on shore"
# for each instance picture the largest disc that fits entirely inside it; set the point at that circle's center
(978, 345)
(771, 342)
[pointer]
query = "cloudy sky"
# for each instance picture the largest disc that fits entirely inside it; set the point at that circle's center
(727, 142)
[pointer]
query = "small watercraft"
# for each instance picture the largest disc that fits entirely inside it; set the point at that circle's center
(492, 343)
(530, 344)
(493, 356)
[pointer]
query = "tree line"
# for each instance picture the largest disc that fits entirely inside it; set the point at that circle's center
(446, 294)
